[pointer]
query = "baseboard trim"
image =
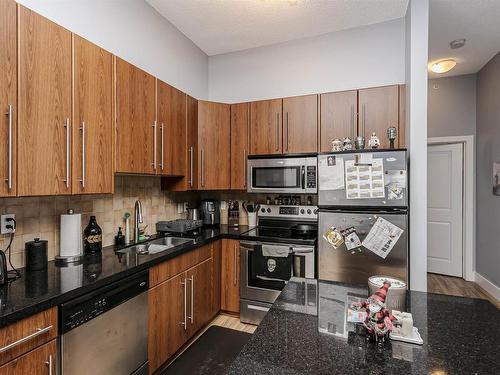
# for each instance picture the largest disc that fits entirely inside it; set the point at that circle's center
(487, 285)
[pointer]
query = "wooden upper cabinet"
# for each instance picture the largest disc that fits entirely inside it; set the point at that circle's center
(172, 126)
(214, 146)
(378, 110)
(230, 284)
(300, 124)
(266, 122)
(136, 129)
(44, 130)
(338, 117)
(240, 121)
(93, 114)
(192, 143)
(8, 100)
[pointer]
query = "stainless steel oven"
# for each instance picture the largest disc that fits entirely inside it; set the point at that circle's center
(290, 175)
(265, 269)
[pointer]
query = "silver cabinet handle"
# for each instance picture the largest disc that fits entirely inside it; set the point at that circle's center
(202, 168)
(154, 145)
(161, 146)
(245, 156)
(277, 131)
(184, 323)
(191, 166)
(49, 363)
(9, 115)
(66, 125)
(364, 121)
(191, 279)
(38, 332)
(287, 139)
(82, 129)
(352, 123)
(235, 261)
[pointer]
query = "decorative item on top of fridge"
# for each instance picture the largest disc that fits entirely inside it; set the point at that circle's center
(392, 134)
(337, 145)
(360, 142)
(374, 142)
(347, 144)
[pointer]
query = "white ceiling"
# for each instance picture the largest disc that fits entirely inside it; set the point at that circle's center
(222, 26)
(476, 20)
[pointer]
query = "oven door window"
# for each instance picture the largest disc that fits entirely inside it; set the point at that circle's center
(276, 177)
(268, 272)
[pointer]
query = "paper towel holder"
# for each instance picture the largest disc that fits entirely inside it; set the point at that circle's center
(64, 261)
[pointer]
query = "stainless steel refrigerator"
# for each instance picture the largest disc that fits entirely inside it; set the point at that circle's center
(363, 216)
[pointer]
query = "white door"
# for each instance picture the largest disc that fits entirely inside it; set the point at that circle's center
(444, 209)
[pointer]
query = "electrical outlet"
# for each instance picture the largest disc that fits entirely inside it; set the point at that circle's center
(186, 204)
(4, 222)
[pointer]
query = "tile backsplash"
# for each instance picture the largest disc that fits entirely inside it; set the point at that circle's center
(40, 216)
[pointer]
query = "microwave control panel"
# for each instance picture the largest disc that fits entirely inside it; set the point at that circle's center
(311, 177)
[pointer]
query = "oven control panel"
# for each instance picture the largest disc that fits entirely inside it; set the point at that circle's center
(289, 212)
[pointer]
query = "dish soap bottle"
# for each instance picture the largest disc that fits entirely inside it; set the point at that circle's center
(92, 237)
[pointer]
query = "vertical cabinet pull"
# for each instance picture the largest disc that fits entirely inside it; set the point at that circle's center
(162, 162)
(191, 167)
(235, 265)
(277, 135)
(184, 284)
(364, 121)
(153, 164)
(191, 317)
(287, 141)
(49, 363)
(202, 167)
(82, 129)
(66, 125)
(9, 115)
(245, 155)
(352, 123)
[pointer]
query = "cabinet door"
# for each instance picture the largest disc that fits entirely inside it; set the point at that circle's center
(93, 128)
(199, 280)
(136, 130)
(216, 276)
(44, 129)
(172, 125)
(379, 110)
(230, 293)
(240, 119)
(39, 361)
(338, 117)
(300, 128)
(8, 101)
(266, 127)
(168, 323)
(214, 145)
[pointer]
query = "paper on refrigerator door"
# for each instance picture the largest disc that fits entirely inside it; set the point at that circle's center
(364, 181)
(382, 237)
(331, 173)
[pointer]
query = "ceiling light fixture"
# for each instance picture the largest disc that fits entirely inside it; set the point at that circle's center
(457, 43)
(442, 66)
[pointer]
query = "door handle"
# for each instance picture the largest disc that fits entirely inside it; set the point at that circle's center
(303, 177)
(287, 138)
(82, 129)
(154, 145)
(161, 147)
(202, 167)
(191, 167)
(9, 115)
(49, 363)
(277, 132)
(184, 323)
(364, 121)
(352, 123)
(235, 271)
(245, 155)
(191, 318)
(66, 125)
(38, 332)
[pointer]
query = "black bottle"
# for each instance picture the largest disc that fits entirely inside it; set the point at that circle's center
(92, 237)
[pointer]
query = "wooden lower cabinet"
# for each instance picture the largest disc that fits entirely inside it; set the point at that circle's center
(41, 360)
(199, 279)
(230, 284)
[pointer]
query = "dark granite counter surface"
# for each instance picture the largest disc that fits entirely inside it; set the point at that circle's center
(306, 332)
(39, 290)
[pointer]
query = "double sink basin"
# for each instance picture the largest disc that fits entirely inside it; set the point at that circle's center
(156, 246)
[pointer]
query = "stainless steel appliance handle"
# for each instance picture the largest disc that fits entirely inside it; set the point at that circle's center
(235, 271)
(258, 308)
(298, 251)
(66, 125)
(287, 138)
(161, 147)
(277, 131)
(82, 129)
(38, 332)
(191, 165)
(250, 246)
(49, 363)
(202, 167)
(10, 116)
(154, 145)
(191, 279)
(184, 323)
(303, 177)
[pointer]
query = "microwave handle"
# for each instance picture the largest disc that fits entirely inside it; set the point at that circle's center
(303, 176)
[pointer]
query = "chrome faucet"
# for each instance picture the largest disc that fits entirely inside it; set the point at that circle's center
(138, 219)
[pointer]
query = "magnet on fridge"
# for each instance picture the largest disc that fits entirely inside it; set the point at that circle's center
(334, 237)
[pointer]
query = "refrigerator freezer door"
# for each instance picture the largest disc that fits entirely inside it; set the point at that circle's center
(355, 179)
(343, 265)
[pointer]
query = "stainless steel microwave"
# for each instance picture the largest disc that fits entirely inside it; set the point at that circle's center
(288, 175)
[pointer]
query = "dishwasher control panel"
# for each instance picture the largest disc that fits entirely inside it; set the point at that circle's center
(87, 307)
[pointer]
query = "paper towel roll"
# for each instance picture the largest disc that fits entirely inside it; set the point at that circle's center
(71, 235)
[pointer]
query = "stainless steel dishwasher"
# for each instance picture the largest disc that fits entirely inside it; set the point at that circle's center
(106, 331)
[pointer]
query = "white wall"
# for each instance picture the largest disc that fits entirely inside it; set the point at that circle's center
(362, 57)
(134, 31)
(417, 46)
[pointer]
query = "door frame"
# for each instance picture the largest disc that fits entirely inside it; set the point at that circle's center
(468, 200)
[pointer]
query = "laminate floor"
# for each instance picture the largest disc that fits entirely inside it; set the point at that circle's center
(456, 286)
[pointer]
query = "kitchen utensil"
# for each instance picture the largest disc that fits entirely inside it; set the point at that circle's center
(234, 214)
(252, 219)
(36, 255)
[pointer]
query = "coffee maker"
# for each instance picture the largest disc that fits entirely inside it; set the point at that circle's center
(210, 212)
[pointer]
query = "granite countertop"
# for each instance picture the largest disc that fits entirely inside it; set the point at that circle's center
(39, 290)
(305, 332)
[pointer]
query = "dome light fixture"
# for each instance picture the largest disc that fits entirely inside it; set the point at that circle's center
(442, 66)
(457, 43)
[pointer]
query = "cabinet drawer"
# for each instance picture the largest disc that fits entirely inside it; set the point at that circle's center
(20, 337)
(39, 361)
(177, 265)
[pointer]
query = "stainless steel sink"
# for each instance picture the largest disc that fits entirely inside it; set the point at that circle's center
(156, 246)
